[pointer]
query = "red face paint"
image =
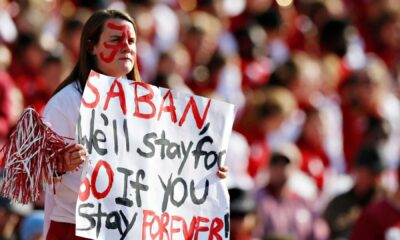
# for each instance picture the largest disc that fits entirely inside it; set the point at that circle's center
(115, 47)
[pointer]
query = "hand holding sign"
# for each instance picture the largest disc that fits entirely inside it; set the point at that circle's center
(222, 172)
(72, 157)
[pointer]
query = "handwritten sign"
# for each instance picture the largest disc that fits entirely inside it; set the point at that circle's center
(153, 158)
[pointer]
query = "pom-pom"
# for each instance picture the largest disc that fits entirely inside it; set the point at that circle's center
(30, 157)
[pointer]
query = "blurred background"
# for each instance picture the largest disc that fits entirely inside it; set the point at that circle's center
(316, 85)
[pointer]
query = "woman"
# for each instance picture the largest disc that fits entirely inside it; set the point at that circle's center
(108, 45)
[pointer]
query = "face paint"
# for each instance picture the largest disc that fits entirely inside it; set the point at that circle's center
(115, 52)
(116, 47)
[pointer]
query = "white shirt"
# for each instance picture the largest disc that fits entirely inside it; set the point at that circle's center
(61, 114)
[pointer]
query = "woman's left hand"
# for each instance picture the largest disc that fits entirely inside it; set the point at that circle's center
(222, 172)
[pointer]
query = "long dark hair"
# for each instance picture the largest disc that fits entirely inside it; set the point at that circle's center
(90, 37)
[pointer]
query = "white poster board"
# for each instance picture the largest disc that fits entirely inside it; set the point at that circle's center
(153, 158)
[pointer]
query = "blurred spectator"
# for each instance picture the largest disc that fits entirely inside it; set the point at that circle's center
(285, 75)
(378, 131)
(333, 37)
(315, 162)
(265, 111)
(8, 30)
(70, 37)
(243, 217)
(52, 72)
(166, 67)
(10, 97)
(201, 40)
(32, 226)
(334, 44)
(6, 88)
(318, 13)
(26, 70)
(272, 23)
(380, 220)
(282, 213)
(206, 77)
(255, 66)
(169, 71)
(360, 101)
(344, 210)
(229, 86)
(11, 215)
(237, 162)
(309, 81)
(386, 38)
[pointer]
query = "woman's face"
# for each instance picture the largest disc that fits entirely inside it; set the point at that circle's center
(115, 52)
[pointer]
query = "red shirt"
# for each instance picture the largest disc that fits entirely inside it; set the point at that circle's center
(259, 149)
(255, 72)
(32, 86)
(377, 221)
(354, 132)
(314, 162)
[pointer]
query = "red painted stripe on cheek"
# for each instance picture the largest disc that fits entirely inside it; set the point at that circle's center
(122, 43)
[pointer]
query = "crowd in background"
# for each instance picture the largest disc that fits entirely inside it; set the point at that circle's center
(315, 147)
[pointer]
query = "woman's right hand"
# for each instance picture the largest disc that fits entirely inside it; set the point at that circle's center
(71, 158)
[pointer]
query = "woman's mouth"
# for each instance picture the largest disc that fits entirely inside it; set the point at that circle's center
(125, 59)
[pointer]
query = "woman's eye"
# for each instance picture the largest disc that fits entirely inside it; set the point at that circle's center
(131, 41)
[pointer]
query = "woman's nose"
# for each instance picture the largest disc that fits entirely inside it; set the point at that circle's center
(124, 43)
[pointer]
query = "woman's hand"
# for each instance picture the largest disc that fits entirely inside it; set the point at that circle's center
(72, 157)
(222, 172)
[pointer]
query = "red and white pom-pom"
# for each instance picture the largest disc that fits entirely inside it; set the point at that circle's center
(30, 156)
